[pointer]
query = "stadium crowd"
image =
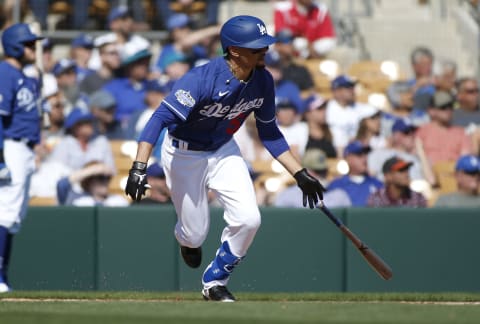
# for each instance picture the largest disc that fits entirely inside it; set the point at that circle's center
(104, 90)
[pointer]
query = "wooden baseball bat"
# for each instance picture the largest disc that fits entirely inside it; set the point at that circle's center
(375, 261)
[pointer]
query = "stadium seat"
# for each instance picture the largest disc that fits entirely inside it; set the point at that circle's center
(42, 201)
(445, 173)
(370, 75)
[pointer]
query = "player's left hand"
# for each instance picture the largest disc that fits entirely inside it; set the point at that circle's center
(5, 175)
(137, 181)
(312, 189)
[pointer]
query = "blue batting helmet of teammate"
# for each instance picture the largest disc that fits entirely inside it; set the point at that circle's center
(245, 31)
(14, 38)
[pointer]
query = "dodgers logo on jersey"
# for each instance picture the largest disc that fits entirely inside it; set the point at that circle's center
(218, 110)
(185, 98)
(25, 99)
(262, 29)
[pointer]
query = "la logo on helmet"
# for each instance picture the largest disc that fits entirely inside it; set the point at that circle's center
(262, 28)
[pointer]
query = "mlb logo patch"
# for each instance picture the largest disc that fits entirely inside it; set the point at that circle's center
(262, 29)
(185, 98)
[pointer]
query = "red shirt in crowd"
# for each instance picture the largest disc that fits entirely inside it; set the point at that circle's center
(313, 24)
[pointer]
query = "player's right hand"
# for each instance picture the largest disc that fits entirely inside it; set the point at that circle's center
(5, 175)
(137, 181)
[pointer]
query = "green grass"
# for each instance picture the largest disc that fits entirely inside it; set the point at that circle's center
(140, 308)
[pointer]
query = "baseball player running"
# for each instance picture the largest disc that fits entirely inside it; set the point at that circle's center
(19, 132)
(202, 112)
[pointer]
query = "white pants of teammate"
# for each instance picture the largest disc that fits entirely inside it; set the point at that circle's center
(190, 174)
(20, 160)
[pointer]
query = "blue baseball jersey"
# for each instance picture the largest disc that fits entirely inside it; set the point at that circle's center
(18, 104)
(128, 96)
(213, 104)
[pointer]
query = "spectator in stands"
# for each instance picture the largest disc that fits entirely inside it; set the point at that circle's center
(423, 82)
(467, 111)
(343, 112)
(53, 103)
(404, 146)
(155, 91)
(89, 186)
(445, 75)
(315, 161)
(158, 193)
(129, 90)
(400, 96)
(201, 13)
(136, 13)
(442, 141)
(81, 52)
(319, 134)
(121, 23)
(285, 90)
(48, 59)
(80, 145)
(369, 128)
(78, 8)
(357, 183)
(102, 105)
(310, 24)
(66, 75)
(176, 66)
(396, 191)
(467, 176)
(292, 71)
(295, 131)
(109, 64)
(184, 42)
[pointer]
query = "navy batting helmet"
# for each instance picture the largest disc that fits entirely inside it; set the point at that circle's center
(246, 32)
(14, 38)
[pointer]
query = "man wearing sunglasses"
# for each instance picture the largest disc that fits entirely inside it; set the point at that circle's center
(19, 133)
(202, 112)
(467, 176)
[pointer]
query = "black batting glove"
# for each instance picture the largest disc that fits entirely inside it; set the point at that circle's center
(137, 181)
(312, 189)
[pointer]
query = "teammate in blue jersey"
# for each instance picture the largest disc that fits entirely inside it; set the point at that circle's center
(19, 132)
(202, 112)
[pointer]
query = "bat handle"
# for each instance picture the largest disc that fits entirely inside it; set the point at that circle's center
(333, 218)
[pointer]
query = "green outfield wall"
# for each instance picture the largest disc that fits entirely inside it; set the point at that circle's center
(295, 250)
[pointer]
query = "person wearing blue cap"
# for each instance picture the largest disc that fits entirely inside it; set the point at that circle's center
(344, 111)
(202, 13)
(467, 176)
(185, 42)
(402, 144)
(80, 145)
(65, 71)
(80, 52)
(204, 110)
(102, 105)
(358, 184)
(294, 130)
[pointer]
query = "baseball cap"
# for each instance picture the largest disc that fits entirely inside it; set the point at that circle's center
(134, 51)
(76, 116)
(177, 21)
(356, 147)
(284, 36)
(395, 164)
(118, 12)
(315, 102)
(285, 103)
(155, 85)
(468, 163)
(62, 66)
(82, 40)
(404, 126)
(272, 59)
(102, 99)
(109, 38)
(315, 159)
(155, 170)
(343, 81)
(442, 100)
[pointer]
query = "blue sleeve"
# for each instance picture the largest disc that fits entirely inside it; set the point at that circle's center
(63, 188)
(1, 133)
(185, 94)
(272, 138)
(7, 93)
(161, 118)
